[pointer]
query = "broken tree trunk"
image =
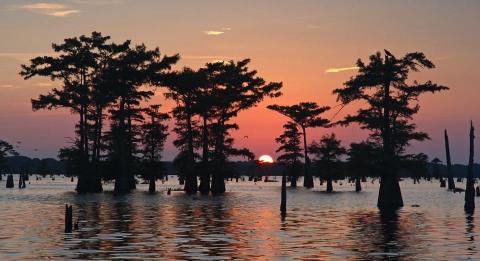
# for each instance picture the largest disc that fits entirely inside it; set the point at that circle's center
(68, 219)
(470, 187)
(283, 203)
(451, 183)
(10, 183)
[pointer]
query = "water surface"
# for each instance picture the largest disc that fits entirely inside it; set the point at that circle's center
(244, 224)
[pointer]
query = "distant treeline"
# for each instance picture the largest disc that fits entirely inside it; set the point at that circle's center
(50, 166)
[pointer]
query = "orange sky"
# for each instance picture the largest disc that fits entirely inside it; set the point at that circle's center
(291, 41)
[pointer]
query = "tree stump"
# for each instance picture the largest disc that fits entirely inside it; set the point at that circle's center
(283, 203)
(68, 219)
(10, 183)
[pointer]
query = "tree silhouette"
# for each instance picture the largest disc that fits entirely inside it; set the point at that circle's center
(153, 136)
(5, 150)
(184, 88)
(97, 75)
(390, 105)
(127, 74)
(363, 160)
(327, 153)
(235, 88)
(78, 65)
(305, 115)
(291, 151)
(436, 171)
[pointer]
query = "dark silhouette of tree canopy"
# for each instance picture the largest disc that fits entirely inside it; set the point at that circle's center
(305, 115)
(290, 147)
(391, 103)
(6, 149)
(327, 153)
(185, 88)
(154, 133)
(97, 75)
(78, 65)
(235, 88)
(127, 74)
(363, 160)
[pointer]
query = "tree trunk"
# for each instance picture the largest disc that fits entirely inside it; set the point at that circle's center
(329, 185)
(307, 179)
(122, 181)
(442, 182)
(191, 183)
(283, 203)
(358, 185)
(68, 219)
(389, 195)
(218, 180)
(205, 174)
(451, 182)
(10, 182)
(470, 187)
(151, 185)
(293, 181)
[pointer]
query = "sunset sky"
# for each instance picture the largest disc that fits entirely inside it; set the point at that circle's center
(311, 46)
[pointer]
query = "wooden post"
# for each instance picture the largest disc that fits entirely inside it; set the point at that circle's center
(470, 187)
(451, 183)
(283, 203)
(68, 219)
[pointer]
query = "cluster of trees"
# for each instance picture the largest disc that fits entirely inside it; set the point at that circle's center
(388, 103)
(118, 135)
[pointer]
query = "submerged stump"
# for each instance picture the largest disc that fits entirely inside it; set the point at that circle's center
(470, 187)
(451, 183)
(68, 218)
(283, 203)
(10, 183)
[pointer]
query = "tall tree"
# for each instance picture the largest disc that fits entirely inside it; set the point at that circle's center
(153, 136)
(77, 65)
(290, 147)
(235, 88)
(128, 74)
(390, 105)
(305, 115)
(184, 89)
(327, 153)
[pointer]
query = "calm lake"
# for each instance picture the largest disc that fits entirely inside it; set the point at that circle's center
(245, 224)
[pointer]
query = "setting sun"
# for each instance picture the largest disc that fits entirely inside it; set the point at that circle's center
(265, 159)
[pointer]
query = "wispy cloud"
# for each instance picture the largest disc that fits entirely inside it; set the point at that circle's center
(214, 33)
(50, 9)
(341, 69)
(217, 32)
(43, 84)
